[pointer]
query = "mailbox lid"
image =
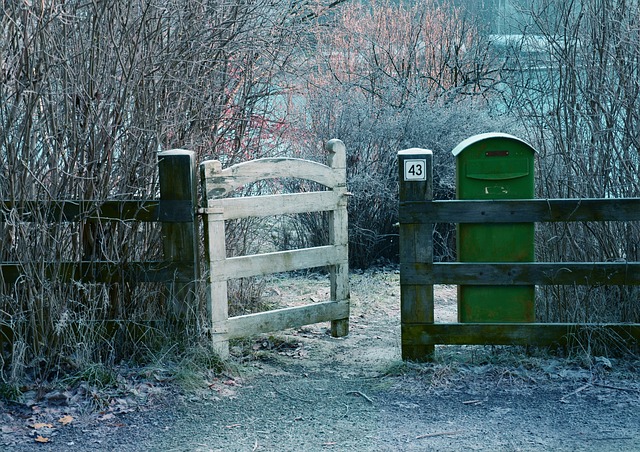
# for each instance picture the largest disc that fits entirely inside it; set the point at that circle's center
(494, 166)
(488, 136)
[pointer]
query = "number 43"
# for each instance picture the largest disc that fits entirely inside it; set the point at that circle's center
(415, 170)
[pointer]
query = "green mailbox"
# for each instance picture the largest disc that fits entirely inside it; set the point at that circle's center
(495, 166)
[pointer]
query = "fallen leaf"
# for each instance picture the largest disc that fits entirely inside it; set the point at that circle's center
(42, 439)
(107, 417)
(39, 425)
(64, 420)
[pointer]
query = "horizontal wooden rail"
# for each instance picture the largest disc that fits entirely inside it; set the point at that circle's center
(69, 211)
(261, 206)
(107, 272)
(219, 182)
(281, 319)
(516, 333)
(519, 211)
(519, 273)
(277, 262)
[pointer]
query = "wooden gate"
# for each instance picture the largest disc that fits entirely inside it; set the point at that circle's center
(218, 184)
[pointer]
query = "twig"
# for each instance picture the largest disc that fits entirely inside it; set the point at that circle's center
(364, 396)
(612, 438)
(580, 389)
(431, 435)
(346, 412)
(617, 388)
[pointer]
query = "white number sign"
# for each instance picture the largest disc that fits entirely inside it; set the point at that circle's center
(415, 169)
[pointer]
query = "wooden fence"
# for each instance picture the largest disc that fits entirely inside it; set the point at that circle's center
(218, 183)
(418, 273)
(175, 210)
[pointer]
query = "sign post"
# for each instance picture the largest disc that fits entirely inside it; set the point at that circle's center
(416, 247)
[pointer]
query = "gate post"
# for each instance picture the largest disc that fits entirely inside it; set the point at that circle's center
(179, 229)
(338, 235)
(415, 171)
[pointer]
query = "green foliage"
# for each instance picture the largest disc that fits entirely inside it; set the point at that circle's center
(96, 375)
(10, 391)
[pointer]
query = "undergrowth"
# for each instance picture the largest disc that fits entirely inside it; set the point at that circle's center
(513, 365)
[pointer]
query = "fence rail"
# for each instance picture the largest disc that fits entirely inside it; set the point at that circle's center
(94, 210)
(418, 272)
(520, 211)
(100, 271)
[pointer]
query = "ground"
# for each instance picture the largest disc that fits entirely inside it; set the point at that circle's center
(302, 390)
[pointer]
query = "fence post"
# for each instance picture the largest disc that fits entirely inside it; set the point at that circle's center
(179, 237)
(416, 246)
(338, 235)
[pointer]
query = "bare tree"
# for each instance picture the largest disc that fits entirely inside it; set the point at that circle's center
(89, 91)
(579, 96)
(383, 76)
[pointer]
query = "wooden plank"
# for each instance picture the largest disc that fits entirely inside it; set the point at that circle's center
(221, 182)
(277, 262)
(262, 206)
(537, 273)
(281, 319)
(217, 303)
(72, 211)
(99, 271)
(520, 211)
(517, 333)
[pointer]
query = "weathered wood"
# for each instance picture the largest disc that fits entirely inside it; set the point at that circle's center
(220, 183)
(100, 271)
(268, 205)
(280, 319)
(217, 292)
(516, 333)
(416, 246)
(56, 211)
(338, 236)
(180, 240)
(278, 262)
(217, 183)
(517, 273)
(520, 211)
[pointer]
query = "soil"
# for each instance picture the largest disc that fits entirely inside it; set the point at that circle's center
(302, 390)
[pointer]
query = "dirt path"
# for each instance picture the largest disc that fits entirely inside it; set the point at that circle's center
(305, 391)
